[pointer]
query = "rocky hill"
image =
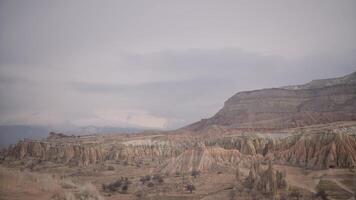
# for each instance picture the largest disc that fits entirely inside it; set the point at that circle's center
(320, 83)
(318, 102)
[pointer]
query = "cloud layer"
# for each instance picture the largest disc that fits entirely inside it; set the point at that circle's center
(161, 65)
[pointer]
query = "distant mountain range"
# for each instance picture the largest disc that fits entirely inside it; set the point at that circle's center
(317, 102)
(10, 134)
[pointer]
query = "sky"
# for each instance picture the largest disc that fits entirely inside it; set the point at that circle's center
(161, 64)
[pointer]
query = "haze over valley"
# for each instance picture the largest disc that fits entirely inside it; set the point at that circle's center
(173, 100)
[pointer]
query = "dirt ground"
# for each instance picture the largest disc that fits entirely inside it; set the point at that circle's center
(64, 182)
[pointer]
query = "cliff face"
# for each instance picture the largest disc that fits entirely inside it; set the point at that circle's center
(81, 155)
(84, 154)
(317, 151)
(280, 108)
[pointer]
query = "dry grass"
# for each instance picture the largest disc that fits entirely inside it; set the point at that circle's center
(28, 185)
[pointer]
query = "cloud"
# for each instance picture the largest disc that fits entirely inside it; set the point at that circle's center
(161, 64)
(201, 80)
(179, 87)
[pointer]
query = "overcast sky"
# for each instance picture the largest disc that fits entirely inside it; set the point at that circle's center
(161, 64)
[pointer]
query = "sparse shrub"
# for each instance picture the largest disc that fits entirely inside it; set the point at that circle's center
(143, 180)
(158, 178)
(124, 188)
(147, 177)
(177, 174)
(139, 163)
(322, 194)
(295, 194)
(195, 173)
(111, 168)
(139, 194)
(150, 184)
(120, 185)
(190, 188)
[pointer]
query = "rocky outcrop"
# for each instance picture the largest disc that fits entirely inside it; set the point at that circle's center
(281, 108)
(268, 181)
(320, 83)
(202, 158)
(53, 135)
(318, 150)
(246, 144)
(81, 155)
(316, 147)
(140, 152)
(77, 152)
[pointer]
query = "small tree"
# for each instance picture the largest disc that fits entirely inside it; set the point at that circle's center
(322, 194)
(124, 188)
(195, 173)
(295, 194)
(140, 194)
(147, 177)
(150, 184)
(177, 174)
(158, 178)
(190, 188)
(143, 180)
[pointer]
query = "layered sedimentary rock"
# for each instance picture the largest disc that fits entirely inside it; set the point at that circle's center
(81, 155)
(280, 108)
(318, 150)
(322, 149)
(142, 151)
(202, 158)
(247, 144)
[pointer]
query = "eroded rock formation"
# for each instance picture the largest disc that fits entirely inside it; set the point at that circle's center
(318, 151)
(81, 155)
(268, 181)
(202, 158)
(328, 148)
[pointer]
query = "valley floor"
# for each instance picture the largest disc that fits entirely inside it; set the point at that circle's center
(61, 182)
